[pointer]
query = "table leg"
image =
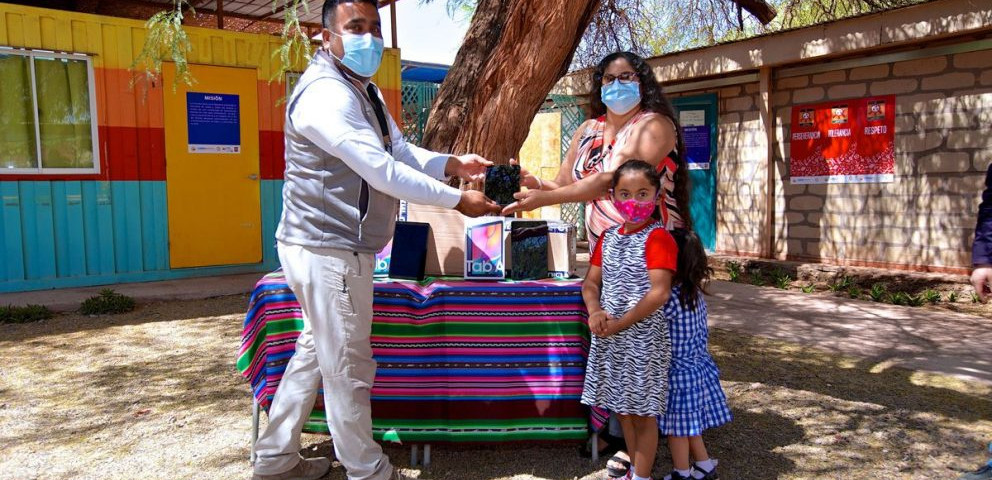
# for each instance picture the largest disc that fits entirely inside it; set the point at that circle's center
(255, 407)
(427, 455)
(414, 461)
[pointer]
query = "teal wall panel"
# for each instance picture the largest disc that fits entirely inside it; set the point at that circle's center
(11, 241)
(98, 228)
(126, 201)
(70, 252)
(154, 226)
(38, 230)
(271, 211)
(60, 234)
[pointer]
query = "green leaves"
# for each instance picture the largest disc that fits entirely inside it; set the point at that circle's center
(166, 39)
(296, 48)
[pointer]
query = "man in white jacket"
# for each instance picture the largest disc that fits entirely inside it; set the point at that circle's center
(346, 166)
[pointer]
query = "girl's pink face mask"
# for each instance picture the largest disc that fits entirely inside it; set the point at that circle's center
(635, 211)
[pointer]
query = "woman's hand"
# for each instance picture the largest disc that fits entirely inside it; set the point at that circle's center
(527, 201)
(527, 179)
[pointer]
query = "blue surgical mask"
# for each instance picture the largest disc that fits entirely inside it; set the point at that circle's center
(362, 53)
(620, 97)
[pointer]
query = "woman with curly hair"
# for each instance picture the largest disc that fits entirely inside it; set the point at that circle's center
(631, 118)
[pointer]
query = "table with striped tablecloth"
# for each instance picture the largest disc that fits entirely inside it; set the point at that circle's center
(458, 361)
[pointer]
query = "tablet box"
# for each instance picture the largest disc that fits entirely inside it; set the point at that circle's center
(382, 260)
(561, 249)
(485, 248)
(446, 245)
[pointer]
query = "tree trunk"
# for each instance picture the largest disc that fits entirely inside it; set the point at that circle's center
(513, 53)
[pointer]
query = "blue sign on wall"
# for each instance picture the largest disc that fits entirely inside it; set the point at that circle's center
(213, 122)
(697, 146)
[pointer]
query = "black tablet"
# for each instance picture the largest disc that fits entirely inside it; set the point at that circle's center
(528, 249)
(409, 255)
(502, 181)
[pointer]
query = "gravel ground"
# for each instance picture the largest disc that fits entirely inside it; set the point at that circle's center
(154, 394)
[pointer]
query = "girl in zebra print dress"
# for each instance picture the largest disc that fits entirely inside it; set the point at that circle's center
(629, 280)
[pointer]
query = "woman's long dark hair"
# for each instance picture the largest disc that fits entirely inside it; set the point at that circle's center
(652, 100)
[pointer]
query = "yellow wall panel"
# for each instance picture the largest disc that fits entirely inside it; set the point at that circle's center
(48, 33)
(115, 42)
(63, 34)
(3, 28)
(32, 31)
(15, 30)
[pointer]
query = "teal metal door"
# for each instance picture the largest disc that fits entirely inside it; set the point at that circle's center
(698, 118)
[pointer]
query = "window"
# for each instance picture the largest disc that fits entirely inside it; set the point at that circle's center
(47, 113)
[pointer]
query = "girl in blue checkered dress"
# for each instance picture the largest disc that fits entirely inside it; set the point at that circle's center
(695, 399)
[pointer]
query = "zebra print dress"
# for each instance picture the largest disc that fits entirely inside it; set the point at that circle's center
(627, 372)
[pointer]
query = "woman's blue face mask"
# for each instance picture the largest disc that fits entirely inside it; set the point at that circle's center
(621, 97)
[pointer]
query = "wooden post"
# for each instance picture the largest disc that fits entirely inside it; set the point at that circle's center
(768, 126)
(220, 14)
(392, 20)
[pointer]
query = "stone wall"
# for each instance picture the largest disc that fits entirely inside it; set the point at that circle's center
(925, 219)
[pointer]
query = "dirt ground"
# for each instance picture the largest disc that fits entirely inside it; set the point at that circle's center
(154, 394)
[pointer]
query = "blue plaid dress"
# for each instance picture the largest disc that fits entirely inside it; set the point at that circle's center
(695, 399)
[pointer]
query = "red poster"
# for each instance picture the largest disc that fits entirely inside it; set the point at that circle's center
(846, 141)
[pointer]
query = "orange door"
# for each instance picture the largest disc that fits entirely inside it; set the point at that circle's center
(212, 167)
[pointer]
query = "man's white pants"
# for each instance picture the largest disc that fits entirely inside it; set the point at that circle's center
(334, 287)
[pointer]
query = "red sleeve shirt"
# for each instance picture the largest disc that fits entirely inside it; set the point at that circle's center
(660, 251)
(597, 254)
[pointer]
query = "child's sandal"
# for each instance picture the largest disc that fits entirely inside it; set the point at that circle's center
(618, 472)
(707, 475)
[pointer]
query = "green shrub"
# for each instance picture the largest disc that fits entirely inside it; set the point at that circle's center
(878, 292)
(854, 291)
(916, 300)
(758, 278)
(899, 298)
(25, 314)
(974, 298)
(905, 299)
(841, 284)
(808, 288)
(107, 302)
(952, 297)
(734, 270)
(931, 296)
(781, 279)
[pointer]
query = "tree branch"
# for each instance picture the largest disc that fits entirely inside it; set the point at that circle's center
(761, 10)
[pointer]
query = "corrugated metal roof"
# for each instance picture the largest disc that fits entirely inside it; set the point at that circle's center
(260, 9)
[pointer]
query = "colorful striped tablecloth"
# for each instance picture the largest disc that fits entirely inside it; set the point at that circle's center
(457, 361)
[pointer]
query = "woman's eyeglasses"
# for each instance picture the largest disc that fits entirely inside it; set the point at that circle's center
(625, 77)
